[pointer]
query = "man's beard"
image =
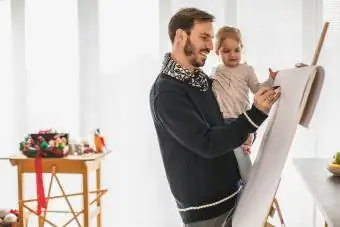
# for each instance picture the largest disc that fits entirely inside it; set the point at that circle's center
(189, 50)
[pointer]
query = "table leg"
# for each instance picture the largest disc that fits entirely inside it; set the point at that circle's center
(99, 206)
(86, 197)
(21, 196)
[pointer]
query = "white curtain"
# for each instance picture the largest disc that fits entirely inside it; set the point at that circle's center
(8, 198)
(52, 65)
(75, 68)
(5, 78)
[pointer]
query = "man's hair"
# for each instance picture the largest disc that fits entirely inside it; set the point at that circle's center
(185, 19)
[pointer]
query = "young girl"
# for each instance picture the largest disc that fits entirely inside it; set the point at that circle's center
(232, 81)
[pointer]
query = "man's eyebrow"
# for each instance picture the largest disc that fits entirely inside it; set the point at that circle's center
(206, 34)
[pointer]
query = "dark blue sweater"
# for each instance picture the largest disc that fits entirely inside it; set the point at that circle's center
(196, 146)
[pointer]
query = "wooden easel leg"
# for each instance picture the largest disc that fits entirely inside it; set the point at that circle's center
(86, 197)
(279, 212)
(99, 206)
(268, 225)
(21, 196)
(274, 207)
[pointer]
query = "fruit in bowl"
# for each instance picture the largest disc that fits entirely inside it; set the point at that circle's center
(334, 166)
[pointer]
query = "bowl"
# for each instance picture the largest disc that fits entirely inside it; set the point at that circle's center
(334, 169)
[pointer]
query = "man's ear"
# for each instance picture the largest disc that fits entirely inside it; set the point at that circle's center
(180, 36)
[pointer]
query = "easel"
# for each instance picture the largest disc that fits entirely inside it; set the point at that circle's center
(275, 205)
(68, 165)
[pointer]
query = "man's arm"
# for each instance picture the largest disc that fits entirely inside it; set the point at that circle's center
(179, 118)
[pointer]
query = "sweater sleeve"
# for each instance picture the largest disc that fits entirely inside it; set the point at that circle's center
(178, 117)
(269, 82)
(254, 83)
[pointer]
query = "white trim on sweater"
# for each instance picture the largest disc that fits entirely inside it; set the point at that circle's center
(211, 204)
(250, 120)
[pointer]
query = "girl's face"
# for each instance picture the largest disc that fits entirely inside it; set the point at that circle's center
(230, 52)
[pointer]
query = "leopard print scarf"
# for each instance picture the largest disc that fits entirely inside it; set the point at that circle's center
(197, 79)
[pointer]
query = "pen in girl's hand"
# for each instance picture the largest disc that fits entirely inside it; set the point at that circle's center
(276, 87)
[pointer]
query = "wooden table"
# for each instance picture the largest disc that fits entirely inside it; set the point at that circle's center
(323, 186)
(82, 165)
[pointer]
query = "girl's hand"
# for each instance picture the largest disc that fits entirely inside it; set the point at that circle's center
(272, 74)
(247, 145)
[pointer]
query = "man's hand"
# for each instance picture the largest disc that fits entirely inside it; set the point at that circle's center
(264, 98)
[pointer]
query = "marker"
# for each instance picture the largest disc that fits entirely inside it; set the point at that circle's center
(276, 87)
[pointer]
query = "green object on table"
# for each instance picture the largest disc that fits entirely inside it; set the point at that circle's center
(337, 158)
(44, 145)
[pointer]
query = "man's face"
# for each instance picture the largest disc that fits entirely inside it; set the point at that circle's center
(199, 43)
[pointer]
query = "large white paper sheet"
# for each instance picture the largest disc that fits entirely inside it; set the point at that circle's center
(300, 89)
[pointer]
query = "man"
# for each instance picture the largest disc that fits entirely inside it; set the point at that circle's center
(196, 145)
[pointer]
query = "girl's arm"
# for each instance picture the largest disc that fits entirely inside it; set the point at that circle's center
(253, 82)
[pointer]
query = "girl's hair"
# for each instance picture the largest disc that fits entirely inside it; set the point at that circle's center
(227, 32)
